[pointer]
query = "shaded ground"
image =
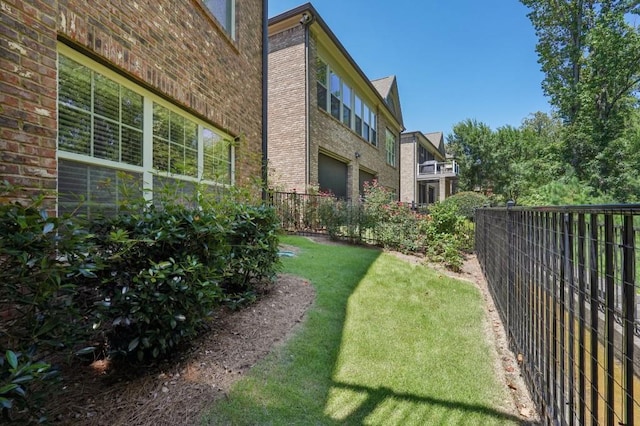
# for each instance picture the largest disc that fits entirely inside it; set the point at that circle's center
(176, 392)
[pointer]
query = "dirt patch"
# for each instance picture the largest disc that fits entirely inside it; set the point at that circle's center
(176, 392)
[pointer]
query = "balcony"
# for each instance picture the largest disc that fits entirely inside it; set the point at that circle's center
(435, 170)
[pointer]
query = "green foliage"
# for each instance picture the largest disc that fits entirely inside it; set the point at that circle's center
(472, 144)
(466, 202)
(253, 255)
(565, 191)
(588, 52)
(445, 235)
(43, 260)
(169, 264)
(393, 224)
(509, 162)
(23, 385)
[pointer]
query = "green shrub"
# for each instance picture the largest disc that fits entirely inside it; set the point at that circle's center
(467, 202)
(446, 235)
(23, 386)
(253, 255)
(43, 261)
(170, 265)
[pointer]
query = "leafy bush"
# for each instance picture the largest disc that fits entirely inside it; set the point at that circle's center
(23, 385)
(467, 202)
(42, 259)
(393, 224)
(170, 265)
(446, 235)
(253, 255)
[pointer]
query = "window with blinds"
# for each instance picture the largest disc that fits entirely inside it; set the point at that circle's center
(113, 133)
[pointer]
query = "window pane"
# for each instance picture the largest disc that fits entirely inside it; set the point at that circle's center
(322, 96)
(176, 158)
(89, 189)
(74, 84)
(131, 146)
(390, 147)
(74, 130)
(335, 85)
(161, 154)
(106, 100)
(131, 108)
(346, 116)
(223, 11)
(346, 106)
(321, 72)
(358, 114)
(366, 118)
(374, 133)
(335, 107)
(176, 129)
(160, 121)
(106, 140)
(217, 157)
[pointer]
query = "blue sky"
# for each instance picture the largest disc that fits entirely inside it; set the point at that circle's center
(454, 59)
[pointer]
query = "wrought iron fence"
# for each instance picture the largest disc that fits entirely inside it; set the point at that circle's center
(300, 213)
(564, 281)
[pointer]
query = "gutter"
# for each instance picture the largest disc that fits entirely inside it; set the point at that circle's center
(265, 94)
(306, 21)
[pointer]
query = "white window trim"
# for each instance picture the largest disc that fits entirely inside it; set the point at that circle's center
(352, 103)
(149, 98)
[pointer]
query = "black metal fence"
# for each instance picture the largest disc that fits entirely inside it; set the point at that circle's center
(300, 213)
(564, 281)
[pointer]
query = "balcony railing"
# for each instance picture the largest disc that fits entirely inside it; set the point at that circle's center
(434, 169)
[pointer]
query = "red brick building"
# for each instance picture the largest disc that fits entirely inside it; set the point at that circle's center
(160, 90)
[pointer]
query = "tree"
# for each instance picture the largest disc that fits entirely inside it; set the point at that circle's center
(472, 145)
(590, 55)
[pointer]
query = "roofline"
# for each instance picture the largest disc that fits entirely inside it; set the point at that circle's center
(308, 7)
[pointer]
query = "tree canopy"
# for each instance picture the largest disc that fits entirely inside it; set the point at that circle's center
(589, 52)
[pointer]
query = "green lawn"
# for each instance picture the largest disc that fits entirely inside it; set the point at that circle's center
(386, 343)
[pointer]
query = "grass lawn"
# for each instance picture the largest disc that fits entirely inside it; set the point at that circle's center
(386, 343)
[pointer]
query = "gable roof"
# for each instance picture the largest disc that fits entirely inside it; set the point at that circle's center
(388, 89)
(437, 140)
(383, 85)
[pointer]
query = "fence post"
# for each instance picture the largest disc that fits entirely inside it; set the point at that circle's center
(510, 248)
(628, 315)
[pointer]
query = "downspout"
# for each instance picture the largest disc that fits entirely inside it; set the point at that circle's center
(306, 21)
(265, 94)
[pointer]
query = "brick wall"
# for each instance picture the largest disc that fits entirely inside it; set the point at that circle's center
(174, 48)
(28, 94)
(408, 183)
(287, 109)
(334, 138)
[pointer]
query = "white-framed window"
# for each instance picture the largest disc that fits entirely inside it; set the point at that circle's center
(340, 100)
(225, 13)
(390, 147)
(111, 130)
